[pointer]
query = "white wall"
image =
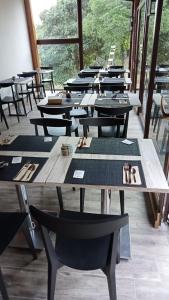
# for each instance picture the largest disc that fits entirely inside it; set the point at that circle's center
(15, 53)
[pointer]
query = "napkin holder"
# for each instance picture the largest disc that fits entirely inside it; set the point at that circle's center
(54, 100)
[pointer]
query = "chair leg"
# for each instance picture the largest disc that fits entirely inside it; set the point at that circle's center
(122, 202)
(16, 111)
(30, 101)
(4, 118)
(82, 197)
(52, 271)
(111, 280)
(76, 132)
(3, 287)
(24, 108)
(60, 198)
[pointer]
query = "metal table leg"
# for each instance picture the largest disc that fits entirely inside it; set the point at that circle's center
(125, 245)
(31, 232)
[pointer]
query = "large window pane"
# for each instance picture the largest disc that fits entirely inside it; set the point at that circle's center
(106, 23)
(55, 18)
(63, 58)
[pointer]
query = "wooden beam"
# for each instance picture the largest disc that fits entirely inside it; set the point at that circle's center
(153, 66)
(57, 41)
(32, 34)
(80, 33)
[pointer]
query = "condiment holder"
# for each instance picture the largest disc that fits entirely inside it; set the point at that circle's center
(66, 149)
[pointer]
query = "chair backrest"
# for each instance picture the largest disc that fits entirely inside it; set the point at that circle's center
(95, 67)
(46, 68)
(116, 67)
(80, 235)
(118, 112)
(6, 84)
(59, 110)
(46, 122)
(79, 88)
(102, 122)
(27, 74)
(76, 225)
(114, 87)
(87, 74)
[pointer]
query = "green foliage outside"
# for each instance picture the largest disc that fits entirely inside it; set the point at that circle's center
(105, 23)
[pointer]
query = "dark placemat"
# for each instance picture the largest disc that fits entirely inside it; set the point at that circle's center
(9, 172)
(113, 70)
(30, 143)
(73, 100)
(112, 102)
(87, 80)
(111, 146)
(113, 80)
(100, 172)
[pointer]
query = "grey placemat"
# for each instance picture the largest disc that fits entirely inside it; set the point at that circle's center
(82, 81)
(113, 80)
(111, 146)
(100, 172)
(112, 102)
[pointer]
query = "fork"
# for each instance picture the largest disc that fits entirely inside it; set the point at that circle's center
(25, 166)
(30, 169)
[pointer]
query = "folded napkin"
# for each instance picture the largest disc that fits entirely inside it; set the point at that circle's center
(7, 140)
(84, 142)
(135, 178)
(26, 172)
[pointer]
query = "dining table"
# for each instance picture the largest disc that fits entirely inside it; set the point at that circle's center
(89, 100)
(99, 164)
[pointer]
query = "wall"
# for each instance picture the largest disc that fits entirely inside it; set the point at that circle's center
(15, 53)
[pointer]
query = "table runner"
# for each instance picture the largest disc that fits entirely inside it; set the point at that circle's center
(100, 172)
(30, 143)
(9, 172)
(111, 146)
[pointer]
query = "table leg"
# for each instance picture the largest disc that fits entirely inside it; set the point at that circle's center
(31, 232)
(125, 245)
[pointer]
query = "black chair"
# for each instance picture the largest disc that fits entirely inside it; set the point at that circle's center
(121, 113)
(83, 241)
(82, 88)
(116, 67)
(13, 99)
(51, 122)
(113, 87)
(10, 222)
(88, 74)
(95, 67)
(101, 123)
(47, 78)
(65, 111)
(35, 85)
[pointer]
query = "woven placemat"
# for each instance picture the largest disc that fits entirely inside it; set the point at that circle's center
(113, 80)
(9, 172)
(100, 172)
(112, 102)
(30, 143)
(111, 146)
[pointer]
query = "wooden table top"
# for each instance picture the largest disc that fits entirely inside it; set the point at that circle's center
(85, 100)
(55, 169)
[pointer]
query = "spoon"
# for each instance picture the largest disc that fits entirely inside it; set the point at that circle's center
(126, 169)
(133, 172)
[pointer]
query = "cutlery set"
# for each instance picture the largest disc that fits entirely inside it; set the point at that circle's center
(82, 142)
(26, 172)
(130, 174)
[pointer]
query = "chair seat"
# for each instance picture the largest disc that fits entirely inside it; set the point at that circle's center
(46, 80)
(8, 99)
(78, 113)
